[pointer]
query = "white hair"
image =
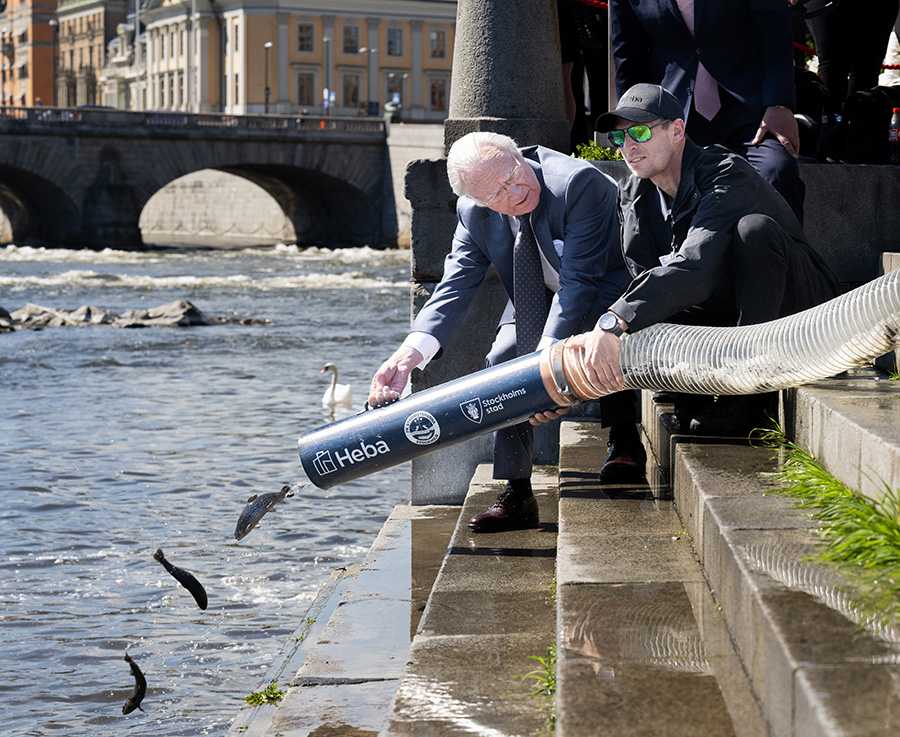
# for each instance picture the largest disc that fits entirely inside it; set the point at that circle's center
(473, 149)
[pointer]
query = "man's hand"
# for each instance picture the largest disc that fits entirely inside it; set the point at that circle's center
(390, 380)
(781, 123)
(550, 415)
(601, 354)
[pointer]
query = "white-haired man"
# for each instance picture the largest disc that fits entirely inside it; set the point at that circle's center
(570, 206)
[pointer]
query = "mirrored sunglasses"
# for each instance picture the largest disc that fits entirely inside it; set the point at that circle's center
(638, 133)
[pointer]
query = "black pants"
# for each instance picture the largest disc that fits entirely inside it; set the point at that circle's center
(769, 276)
(851, 41)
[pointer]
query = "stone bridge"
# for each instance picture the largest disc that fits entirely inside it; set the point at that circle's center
(80, 177)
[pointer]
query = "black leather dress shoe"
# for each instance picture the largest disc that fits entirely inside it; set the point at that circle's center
(625, 464)
(514, 510)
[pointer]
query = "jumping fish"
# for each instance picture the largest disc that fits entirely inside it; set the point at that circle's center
(140, 687)
(184, 578)
(257, 506)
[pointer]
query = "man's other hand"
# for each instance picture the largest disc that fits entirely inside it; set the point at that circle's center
(390, 380)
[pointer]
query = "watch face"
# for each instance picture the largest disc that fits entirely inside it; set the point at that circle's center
(609, 321)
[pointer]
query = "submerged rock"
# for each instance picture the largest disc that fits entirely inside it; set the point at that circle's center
(179, 313)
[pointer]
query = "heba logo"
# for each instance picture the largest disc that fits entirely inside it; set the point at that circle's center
(421, 428)
(324, 463)
(472, 410)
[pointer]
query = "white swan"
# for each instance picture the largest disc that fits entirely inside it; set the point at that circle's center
(336, 394)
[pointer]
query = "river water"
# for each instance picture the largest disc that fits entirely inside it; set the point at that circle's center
(115, 442)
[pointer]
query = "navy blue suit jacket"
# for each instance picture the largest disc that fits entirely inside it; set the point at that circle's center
(576, 215)
(746, 45)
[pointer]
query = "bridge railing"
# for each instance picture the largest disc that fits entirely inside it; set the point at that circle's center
(288, 124)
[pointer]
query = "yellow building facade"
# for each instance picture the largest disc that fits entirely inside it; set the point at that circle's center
(241, 57)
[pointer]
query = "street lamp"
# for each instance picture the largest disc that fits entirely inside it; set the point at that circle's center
(267, 46)
(54, 29)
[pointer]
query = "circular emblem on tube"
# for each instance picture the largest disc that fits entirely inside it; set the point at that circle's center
(422, 429)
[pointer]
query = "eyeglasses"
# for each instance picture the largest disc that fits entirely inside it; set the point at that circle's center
(638, 133)
(502, 189)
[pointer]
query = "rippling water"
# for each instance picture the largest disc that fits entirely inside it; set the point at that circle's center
(115, 442)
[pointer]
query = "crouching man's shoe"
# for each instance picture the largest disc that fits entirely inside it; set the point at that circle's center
(627, 459)
(515, 509)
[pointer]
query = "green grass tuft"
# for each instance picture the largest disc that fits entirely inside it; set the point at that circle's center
(859, 533)
(269, 696)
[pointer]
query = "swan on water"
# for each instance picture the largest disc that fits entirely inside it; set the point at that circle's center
(336, 394)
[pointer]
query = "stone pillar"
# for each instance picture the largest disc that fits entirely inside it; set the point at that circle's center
(203, 68)
(328, 55)
(507, 77)
(372, 64)
(283, 103)
(416, 109)
(507, 73)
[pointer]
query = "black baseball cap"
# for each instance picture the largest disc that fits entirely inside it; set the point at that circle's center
(641, 104)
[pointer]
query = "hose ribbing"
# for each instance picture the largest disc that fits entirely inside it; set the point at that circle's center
(825, 340)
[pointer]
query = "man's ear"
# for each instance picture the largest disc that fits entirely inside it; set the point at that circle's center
(677, 129)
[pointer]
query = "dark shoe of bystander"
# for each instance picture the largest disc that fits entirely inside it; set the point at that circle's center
(515, 509)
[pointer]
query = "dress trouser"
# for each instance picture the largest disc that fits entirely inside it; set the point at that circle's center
(514, 445)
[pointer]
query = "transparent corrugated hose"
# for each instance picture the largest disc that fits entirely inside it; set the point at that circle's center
(845, 332)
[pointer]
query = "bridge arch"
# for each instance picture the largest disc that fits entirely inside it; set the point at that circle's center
(82, 178)
(39, 212)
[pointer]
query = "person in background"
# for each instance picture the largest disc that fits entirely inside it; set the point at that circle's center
(730, 65)
(548, 223)
(851, 40)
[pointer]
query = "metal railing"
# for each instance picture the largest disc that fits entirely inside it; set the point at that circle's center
(186, 121)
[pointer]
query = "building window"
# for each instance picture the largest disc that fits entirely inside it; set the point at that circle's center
(305, 37)
(395, 42)
(237, 89)
(306, 88)
(351, 39)
(438, 89)
(438, 44)
(350, 84)
(235, 37)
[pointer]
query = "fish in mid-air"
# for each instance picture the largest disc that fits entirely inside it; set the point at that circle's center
(257, 506)
(185, 578)
(140, 687)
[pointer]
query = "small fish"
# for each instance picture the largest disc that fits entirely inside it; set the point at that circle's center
(140, 687)
(184, 578)
(257, 506)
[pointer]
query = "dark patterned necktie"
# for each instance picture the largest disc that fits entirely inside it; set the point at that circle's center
(529, 291)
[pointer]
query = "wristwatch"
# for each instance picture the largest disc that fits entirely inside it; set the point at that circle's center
(609, 323)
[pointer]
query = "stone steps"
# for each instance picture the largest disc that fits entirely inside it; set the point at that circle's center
(490, 612)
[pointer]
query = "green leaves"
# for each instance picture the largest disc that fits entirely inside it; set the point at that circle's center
(269, 696)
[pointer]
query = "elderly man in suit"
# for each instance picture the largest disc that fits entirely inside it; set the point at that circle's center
(508, 199)
(730, 65)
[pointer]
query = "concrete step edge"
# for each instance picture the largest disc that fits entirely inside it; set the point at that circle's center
(811, 668)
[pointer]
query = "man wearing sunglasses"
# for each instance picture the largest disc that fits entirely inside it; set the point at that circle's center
(730, 65)
(571, 208)
(708, 242)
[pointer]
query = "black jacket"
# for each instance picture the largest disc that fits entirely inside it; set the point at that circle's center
(717, 189)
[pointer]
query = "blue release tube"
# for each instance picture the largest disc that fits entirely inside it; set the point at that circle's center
(444, 415)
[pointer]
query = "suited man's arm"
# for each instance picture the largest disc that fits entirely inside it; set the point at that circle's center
(629, 43)
(591, 245)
